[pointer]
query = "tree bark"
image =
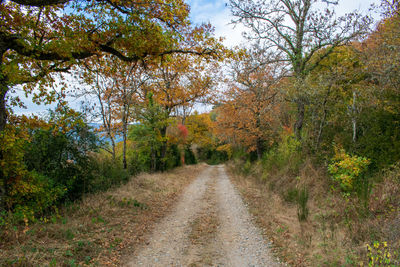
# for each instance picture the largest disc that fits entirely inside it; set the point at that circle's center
(124, 131)
(125, 164)
(322, 123)
(298, 126)
(3, 122)
(3, 108)
(153, 162)
(163, 151)
(353, 119)
(259, 147)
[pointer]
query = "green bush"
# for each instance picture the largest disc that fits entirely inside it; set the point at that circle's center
(138, 161)
(172, 158)
(246, 168)
(189, 156)
(62, 157)
(105, 174)
(285, 155)
(302, 209)
(379, 138)
(348, 170)
(292, 195)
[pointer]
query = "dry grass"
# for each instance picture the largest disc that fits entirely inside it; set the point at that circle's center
(336, 231)
(102, 229)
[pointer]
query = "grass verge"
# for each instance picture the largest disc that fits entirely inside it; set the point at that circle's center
(336, 231)
(100, 230)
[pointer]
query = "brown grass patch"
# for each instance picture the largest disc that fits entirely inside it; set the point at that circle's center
(336, 231)
(103, 228)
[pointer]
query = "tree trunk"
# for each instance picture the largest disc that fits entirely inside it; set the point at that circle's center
(300, 119)
(3, 122)
(182, 151)
(153, 162)
(259, 147)
(163, 151)
(124, 130)
(124, 152)
(112, 147)
(353, 119)
(3, 109)
(322, 123)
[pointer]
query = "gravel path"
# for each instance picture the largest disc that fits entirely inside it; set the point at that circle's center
(242, 241)
(209, 226)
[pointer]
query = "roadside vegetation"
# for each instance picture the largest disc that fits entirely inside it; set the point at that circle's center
(308, 118)
(316, 155)
(101, 229)
(138, 69)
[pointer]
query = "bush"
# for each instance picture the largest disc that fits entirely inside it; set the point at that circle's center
(348, 170)
(212, 156)
(62, 157)
(138, 161)
(291, 195)
(302, 210)
(189, 156)
(172, 158)
(287, 154)
(45, 163)
(379, 254)
(105, 174)
(246, 168)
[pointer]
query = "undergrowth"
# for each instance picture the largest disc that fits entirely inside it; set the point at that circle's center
(100, 229)
(323, 222)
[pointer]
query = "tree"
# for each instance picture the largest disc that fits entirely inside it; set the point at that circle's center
(297, 30)
(148, 134)
(248, 115)
(391, 7)
(179, 81)
(42, 38)
(38, 38)
(338, 92)
(116, 85)
(101, 88)
(200, 130)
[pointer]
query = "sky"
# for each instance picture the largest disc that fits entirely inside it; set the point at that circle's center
(218, 14)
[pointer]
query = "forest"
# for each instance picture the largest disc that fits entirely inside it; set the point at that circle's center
(308, 110)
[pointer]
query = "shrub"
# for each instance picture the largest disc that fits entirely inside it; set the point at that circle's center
(105, 174)
(348, 170)
(246, 168)
(379, 254)
(62, 156)
(291, 195)
(189, 156)
(286, 154)
(172, 158)
(211, 155)
(302, 211)
(35, 194)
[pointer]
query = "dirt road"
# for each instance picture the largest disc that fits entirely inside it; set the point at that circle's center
(209, 226)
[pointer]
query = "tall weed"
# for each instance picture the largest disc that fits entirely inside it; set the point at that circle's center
(302, 211)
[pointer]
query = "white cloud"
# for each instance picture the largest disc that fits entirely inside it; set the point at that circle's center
(218, 14)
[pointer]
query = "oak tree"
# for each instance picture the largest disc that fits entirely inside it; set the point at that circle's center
(297, 29)
(248, 114)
